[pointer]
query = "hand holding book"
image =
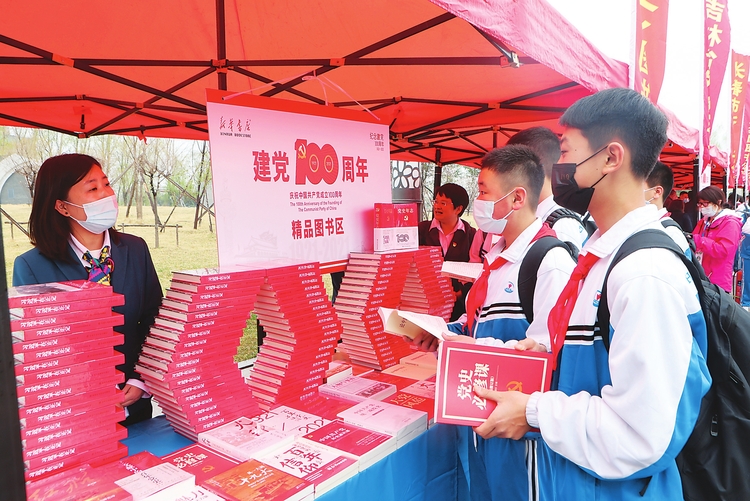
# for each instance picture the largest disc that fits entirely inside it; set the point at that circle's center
(508, 419)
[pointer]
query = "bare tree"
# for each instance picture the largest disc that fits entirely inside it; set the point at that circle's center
(202, 179)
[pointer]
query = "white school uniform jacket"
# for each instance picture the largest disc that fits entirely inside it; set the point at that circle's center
(675, 233)
(620, 418)
(566, 228)
(501, 317)
(503, 469)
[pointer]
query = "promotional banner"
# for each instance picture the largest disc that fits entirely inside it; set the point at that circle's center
(651, 47)
(739, 85)
(294, 180)
(716, 46)
(745, 151)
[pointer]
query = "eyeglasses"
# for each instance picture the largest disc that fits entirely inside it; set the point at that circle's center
(703, 204)
(442, 203)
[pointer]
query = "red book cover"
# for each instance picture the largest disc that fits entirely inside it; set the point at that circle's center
(103, 395)
(42, 372)
(352, 440)
(384, 215)
(48, 391)
(219, 275)
(405, 215)
(95, 318)
(61, 346)
(196, 288)
(256, 481)
(50, 309)
(77, 454)
(411, 401)
(50, 363)
(73, 434)
(201, 461)
(68, 331)
(215, 295)
(60, 409)
(461, 365)
(55, 292)
(73, 485)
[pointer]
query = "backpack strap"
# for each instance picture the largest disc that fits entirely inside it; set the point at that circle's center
(644, 239)
(561, 213)
(527, 273)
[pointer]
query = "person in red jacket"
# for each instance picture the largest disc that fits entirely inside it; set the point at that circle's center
(717, 236)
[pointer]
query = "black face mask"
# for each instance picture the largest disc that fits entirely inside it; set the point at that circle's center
(565, 190)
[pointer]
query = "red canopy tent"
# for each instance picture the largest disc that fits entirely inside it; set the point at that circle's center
(449, 89)
(452, 79)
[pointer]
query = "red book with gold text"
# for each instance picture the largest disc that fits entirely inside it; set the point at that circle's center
(462, 365)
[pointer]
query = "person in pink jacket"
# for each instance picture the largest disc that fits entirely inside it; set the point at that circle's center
(717, 236)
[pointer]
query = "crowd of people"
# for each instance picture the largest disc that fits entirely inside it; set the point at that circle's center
(617, 416)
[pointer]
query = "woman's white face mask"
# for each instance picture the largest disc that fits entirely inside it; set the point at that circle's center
(100, 215)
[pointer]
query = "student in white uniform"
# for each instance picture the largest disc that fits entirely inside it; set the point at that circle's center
(657, 187)
(617, 419)
(546, 145)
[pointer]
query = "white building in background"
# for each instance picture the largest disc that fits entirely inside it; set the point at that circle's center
(13, 187)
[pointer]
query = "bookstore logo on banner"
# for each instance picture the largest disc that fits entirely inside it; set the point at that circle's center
(315, 163)
(234, 127)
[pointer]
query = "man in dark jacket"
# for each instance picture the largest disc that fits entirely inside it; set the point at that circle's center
(457, 238)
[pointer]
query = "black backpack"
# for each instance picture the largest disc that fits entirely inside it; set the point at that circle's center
(715, 462)
(560, 213)
(530, 267)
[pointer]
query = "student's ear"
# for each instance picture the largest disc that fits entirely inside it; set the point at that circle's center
(519, 198)
(615, 157)
(60, 207)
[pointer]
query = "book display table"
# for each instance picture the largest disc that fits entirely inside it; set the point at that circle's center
(425, 468)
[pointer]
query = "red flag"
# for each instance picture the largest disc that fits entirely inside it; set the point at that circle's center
(651, 46)
(739, 70)
(716, 45)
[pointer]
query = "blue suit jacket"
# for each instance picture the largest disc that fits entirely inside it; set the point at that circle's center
(134, 277)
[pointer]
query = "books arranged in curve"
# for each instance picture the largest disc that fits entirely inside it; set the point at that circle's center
(461, 366)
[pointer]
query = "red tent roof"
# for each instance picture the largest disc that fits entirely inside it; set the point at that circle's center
(452, 79)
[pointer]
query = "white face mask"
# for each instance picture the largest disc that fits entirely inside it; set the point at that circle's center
(649, 189)
(483, 210)
(100, 215)
(709, 211)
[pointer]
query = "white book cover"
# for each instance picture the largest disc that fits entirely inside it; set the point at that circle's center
(468, 272)
(314, 463)
(410, 324)
(427, 359)
(385, 418)
(421, 389)
(410, 371)
(357, 389)
(162, 482)
(288, 421)
(198, 493)
(243, 439)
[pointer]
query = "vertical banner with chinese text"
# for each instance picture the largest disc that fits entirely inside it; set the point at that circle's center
(651, 47)
(745, 144)
(739, 69)
(716, 46)
(294, 180)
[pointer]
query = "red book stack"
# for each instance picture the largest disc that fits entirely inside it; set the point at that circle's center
(372, 281)
(426, 290)
(188, 358)
(302, 331)
(63, 345)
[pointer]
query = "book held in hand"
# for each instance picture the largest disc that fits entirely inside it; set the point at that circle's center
(466, 272)
(411, 324)
(461, 366)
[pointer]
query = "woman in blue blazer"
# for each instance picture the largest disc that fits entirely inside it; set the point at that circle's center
(72, 215)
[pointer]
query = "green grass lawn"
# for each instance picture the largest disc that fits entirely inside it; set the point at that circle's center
(196, 249)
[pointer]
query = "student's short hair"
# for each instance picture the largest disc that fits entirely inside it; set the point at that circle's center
(543, 142)
(713, 195)
(623, 115)
(519, 166)
(457, 195)
(661, 175)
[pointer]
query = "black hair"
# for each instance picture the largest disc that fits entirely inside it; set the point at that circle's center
(713, 195)
(543, 142)
(520, 166)
(48, 229)
(457, 195)
(661, 175)
(622, 115)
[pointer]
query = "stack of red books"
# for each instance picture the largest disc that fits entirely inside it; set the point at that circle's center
(426, 290)
(372, 281)
(188, 358)
(302, 332)
(63, 345)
